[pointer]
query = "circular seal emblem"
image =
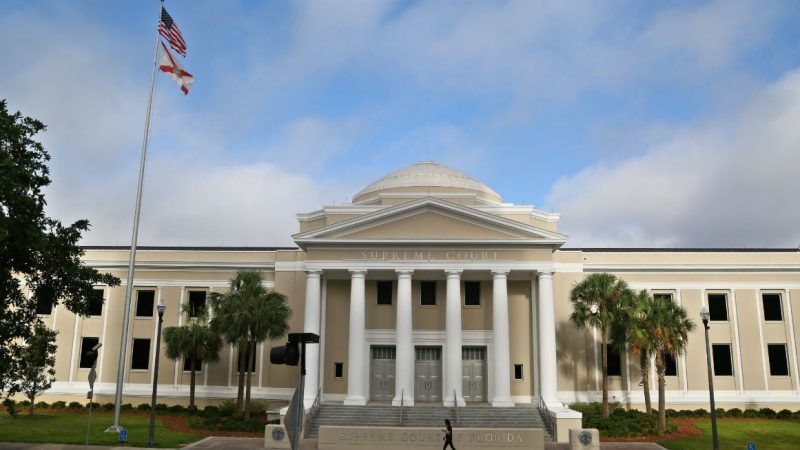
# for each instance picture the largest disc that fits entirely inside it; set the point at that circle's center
(278, 434)
(585, 437)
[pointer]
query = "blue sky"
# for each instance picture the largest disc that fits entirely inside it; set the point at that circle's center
(643, 124)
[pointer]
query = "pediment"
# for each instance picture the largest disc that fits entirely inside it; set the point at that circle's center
(429, 220)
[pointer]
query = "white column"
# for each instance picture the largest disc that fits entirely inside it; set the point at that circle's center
(311, 325)
(404, 346)
(355, 356)
(547, 340)
(502, 360)
(453, 342)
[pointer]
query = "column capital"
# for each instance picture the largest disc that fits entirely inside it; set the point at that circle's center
(357, 273)
(404, 273)
(500, 273)
(546, 273)
(453, 273)
(313, 272)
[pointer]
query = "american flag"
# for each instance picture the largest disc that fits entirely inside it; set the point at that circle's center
(169, 29)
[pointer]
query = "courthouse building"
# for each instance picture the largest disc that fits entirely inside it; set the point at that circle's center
(428, 287)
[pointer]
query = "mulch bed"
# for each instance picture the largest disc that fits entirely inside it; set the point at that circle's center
(179, 424)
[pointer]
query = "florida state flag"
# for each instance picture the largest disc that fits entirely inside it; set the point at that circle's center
(172, 67)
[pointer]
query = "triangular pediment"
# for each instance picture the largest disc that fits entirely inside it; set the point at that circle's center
(429, 220)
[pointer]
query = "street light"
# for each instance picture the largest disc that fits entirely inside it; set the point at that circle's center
(161, 307)
(705, 316)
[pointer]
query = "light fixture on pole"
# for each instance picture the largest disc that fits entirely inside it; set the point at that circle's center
(706, 316)
(151, 435)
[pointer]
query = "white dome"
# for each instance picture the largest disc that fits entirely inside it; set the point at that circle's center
(428, 175)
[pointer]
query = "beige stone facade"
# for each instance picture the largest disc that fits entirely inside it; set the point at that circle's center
(486, 283)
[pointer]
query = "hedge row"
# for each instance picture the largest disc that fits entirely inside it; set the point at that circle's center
(225, 409)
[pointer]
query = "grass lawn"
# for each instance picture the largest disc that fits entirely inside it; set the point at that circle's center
(68, 427)
(736, 434)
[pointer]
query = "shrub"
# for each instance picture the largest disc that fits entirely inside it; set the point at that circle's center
(227, 408)
(209, 409)
(734, 412)
(42, 405)
(258, 407)
(784, 414)
(768, 413)
(177, 408)
(59, 404)
(75, 405)
(669, 412)
(11, 407)
(226, 424)
(126, 407)
(24, 404)
(750, 413)
(143, 407)
(721, 412)
(699, 412)
(108, 406)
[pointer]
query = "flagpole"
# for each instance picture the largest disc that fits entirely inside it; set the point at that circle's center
(123, 347)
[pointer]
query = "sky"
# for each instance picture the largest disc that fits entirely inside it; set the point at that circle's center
(645, 124)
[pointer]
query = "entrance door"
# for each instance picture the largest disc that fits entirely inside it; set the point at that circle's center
(473, 373)
(381, 386)
(428, 371)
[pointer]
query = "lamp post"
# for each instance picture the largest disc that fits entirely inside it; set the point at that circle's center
(151, 435)
(705, 316)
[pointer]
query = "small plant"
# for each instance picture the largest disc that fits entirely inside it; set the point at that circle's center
(143, 407)
(750, 414)
(210, 409)
(108, 406)
(721, 413)
(42, 405)
(75, 405)
(126, 407)
(227, 408)
(11, 407)
(59, 404)
(95, 405)
(768, 413)
(177, 409)
(699, 412)
(671, 413)
(24, 404)
(784, 414)
(735, 412)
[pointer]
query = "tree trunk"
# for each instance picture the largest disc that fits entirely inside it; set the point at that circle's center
(240, 387)
(250, 354)
(604, 351)
(662, 403)
(193, 368)
(30, 407)
(644, 362)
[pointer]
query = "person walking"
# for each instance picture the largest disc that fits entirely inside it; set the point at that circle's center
(448, 435)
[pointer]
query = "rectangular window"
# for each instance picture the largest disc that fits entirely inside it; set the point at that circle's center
(44, 308)
(140, 355)
(242, 356)
(384, 293)
(723, 365)
(472, 293)
(197, 302)
(96, 303)
(518, 371)
(772, 307)
(87, 344)
(662, 296)
(671, 366)
(778, 365)
(718, 307)
(338, 370)
(428, 293)
(614, 363)
(198, 364)
(144, 303)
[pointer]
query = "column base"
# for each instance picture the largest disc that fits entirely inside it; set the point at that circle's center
(502, 403)
(406, 401)
(355, 400)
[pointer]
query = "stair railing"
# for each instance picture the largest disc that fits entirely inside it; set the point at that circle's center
(549, 420)
(455, 404)
(402, 394)
(312, 412)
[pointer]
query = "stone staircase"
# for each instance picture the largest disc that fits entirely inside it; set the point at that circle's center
(426, 416)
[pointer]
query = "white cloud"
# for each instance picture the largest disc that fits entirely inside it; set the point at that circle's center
(728, 182)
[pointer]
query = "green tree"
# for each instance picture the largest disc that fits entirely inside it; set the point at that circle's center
(246, 315)
(597, 302)
(193, 342)
(634, 330)
(37, 374)
(40, 260)
(669, 327)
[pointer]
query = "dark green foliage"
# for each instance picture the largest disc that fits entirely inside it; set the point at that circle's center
(95, 405)
(721, 413)
(143, 407)
(767, 413)
(227, 408)
(750, 414)
(126, 407)
(75, 405)
(734, 412)
(221, 423)
(211, 409)
(161, 407)
(37, 253)
(700, 412)
(59, 404)
(108, 406)
(24, 404)
(42, 405)
(11, 407)
(620, 423)
(784, 414)
(177, 409)
(672, 413)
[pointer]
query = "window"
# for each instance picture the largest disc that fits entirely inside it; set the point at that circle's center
(671, 366)
(778, 365)
(197, 302)
(96, 303)
(144, 303)
(44, 308)
(721, 353)
(518, 371)
(384, 293)
(772, 307)
(242, 356)
(198, 364)
(140, 355)
(472, 293)
(614, 363)
(718, 307)
(338, 370)
(428, 293)
(662, 296)
(87, 344)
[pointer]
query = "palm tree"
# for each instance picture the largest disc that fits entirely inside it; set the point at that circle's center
(597, 302)
(634, 330)
(669, 327)
(193, 342)
(247, 315)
